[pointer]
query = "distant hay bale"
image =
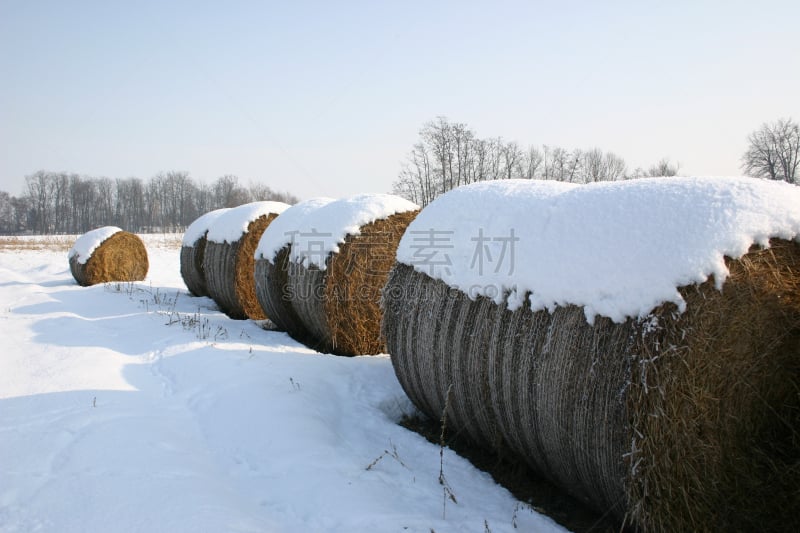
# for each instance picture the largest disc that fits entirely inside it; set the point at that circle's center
(331, 301)
(684, 419)
(108, 254)
(193, 250)
(228, 259)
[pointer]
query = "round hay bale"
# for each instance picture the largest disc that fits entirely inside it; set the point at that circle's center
(228, 260)
(272, 269)
(193, 250)
(321, 270)
(681, 417)
(108, 254)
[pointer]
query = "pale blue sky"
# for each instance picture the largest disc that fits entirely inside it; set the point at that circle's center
(326, 98)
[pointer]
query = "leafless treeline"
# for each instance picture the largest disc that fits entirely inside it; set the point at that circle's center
(773, 151)
(449, 155)
(60, 202)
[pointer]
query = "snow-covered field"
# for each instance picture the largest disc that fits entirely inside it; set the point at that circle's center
(136, 407)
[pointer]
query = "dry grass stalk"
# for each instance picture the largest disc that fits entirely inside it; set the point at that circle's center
(121, 257)
(37, 242)
(716, 390)
(688, 422)
(230, 272)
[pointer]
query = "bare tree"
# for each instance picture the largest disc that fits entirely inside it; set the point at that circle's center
(449, 155)
(204, 198)
(615, 167)
(14, 214)
(22, 213)
(416, 181)
(774, 151)
(664, 168)
(593, 166)
(511, 160)
(7, 222)
(492, 164)
(170, 201)
(260, 192)
(561, 164)
(599, 166)
(463, 142)
(40, 197)
(228, 192)
(84, 197)
(532, 163)
(438, 136)
(131, 211)
(61, 203)
(104, 208)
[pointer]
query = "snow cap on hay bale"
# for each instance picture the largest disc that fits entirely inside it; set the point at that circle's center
(108, 254)
(228, 259)
(321, 267)
(636, 342)
(192, 251)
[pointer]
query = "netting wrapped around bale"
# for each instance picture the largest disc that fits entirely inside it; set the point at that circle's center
(272, 269)
(108, 254)
(274, 295)
(681, 417)
(193, 250)
(321, 268)
(228, 260)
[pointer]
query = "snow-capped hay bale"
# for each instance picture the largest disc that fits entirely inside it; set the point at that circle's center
(323, 265)
(228, 260)
(632, 345)
(272, 269)
(193, 250)
(108, 254)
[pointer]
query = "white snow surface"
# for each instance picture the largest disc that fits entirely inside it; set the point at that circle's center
(199, 227)
(619, 249)
(317, 227)
(133, 407)
(282, 229)
(232, 224)
(89, 241)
